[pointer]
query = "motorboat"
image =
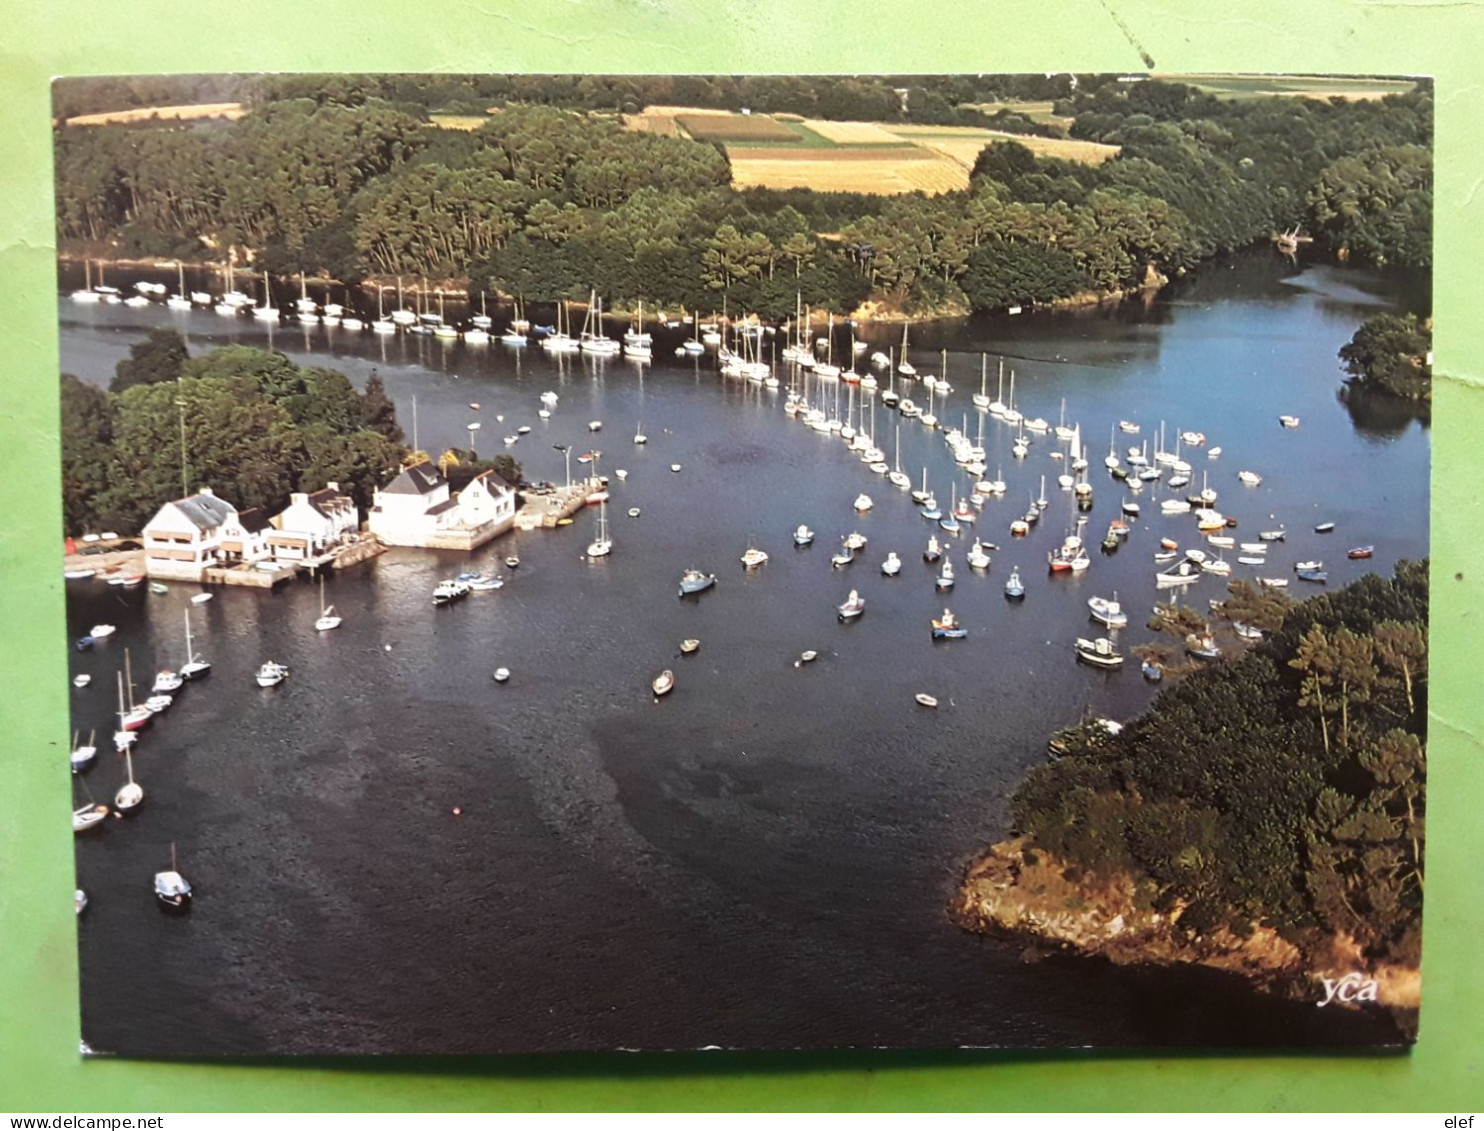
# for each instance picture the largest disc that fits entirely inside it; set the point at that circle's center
(694, 581)
(854, 605)
(1249, 478)
(101, 632)
(82, 679)
(754, 557)
(892, 566)
(88, 817)
(863, 503)
(1288, 421)
(271, 674)
(1100, 653)
(501, 675)
(448, 592)
(1315, 575)
(945, 578)
(689, 646)
(663, 683)
(855, 540)
(1181, 573)
(1128, 426)
(1273, 535)
(1361, 552)
(948, 627)
(1014, 590)
(1309, 565)
(1321, 528)
(978, 559)
(171, 888)
(803, 536)
(1202, 647)
(1152, 670)
(934, 551)
(1107, 612)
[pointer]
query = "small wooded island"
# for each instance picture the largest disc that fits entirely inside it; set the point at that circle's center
(1264, 817)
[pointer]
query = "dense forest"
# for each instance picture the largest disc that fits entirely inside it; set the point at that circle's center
(247, 422)
(552, 196)
(1392, 354)
(1285, 789)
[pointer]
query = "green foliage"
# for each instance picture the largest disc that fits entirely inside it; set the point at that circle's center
(552, 197)
(160, 357)
(1285, 788)
(246, 422)
(1390, 353)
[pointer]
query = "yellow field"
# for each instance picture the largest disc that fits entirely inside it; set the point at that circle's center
(963, 143)
(229, 110)
(852, 133)
(457, 121)
(888, 173)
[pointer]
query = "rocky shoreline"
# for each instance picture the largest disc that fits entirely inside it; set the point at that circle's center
(1015, 891)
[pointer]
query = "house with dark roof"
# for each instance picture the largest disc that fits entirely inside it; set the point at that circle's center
(417, 508)
(184, 538)
(313, 523)
(245, 537)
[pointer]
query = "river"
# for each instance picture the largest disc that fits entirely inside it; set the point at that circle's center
(764, 857)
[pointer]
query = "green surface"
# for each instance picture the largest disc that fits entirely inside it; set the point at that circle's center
(39, 1066)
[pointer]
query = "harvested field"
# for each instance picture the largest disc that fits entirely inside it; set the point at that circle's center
(852, 133)
(229, 110)
(661, 124)
(874, 171)
(964, 146)
(738, 127)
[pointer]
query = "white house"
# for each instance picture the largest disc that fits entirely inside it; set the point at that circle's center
(184, 538)
(312, 523)
(244, 537)
(488, 499)
(417, 509)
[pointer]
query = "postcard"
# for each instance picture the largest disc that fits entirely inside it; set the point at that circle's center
(578, 562)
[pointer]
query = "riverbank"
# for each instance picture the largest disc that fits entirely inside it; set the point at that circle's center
(1015, 891)
(874, 310)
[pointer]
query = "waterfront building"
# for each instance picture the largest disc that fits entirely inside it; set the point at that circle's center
(313, 524)
(184, 538)
(417, 508)
(244, 537)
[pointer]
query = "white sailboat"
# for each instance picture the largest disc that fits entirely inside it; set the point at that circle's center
(193, 668)
(601, 546)
(593, 340)
(267, 312)
(981, 398)
(179, 300)
(131, 794)
(327, 618)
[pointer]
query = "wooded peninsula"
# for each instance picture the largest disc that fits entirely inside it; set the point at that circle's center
(1264, 817)
(547, 189)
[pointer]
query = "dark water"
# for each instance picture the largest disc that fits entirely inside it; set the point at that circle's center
(763, 858)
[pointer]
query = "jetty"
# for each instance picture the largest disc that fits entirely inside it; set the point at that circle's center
(545, 510)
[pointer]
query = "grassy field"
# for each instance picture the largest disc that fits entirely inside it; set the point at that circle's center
(229, 110)
(877, 172)
(963, 144)
(1293, 86)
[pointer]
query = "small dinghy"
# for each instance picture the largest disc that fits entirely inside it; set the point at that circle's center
(854, 605)
(1361, 552)
(806, 657)
(1324, 528)
(1153, 671)
(689, 647)
(501, 675)
(925, 700)
(81, 680)
(663, 683)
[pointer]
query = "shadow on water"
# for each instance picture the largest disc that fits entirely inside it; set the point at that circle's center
(1380, 415)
